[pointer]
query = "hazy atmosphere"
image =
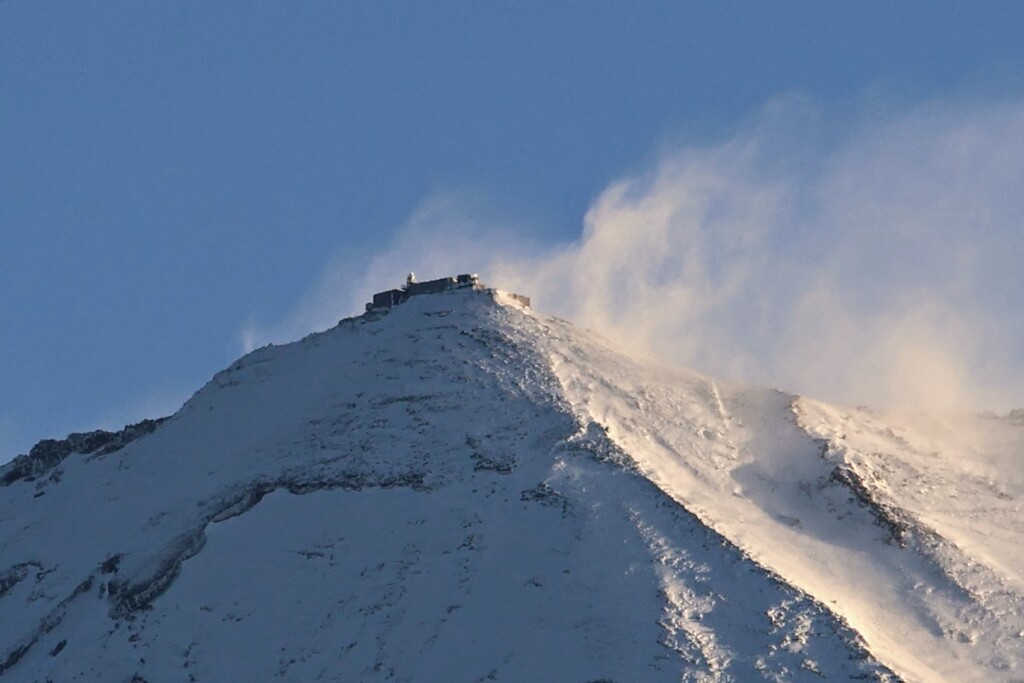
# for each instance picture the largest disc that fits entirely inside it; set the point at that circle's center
(820, 199)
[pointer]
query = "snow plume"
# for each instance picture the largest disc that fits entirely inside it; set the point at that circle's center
(877, 266)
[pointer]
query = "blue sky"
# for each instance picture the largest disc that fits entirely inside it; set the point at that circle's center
(179, 178)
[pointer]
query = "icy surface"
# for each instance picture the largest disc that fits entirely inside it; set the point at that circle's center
(462, 489)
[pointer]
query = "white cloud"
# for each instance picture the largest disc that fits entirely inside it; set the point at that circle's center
(880, 268)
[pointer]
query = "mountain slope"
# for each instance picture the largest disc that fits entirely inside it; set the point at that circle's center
(837, 502)
(462, 489)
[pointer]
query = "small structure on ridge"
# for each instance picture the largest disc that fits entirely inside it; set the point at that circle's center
(394, 297)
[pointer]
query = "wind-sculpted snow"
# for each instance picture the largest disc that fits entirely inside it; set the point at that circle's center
(915, 540)
(955, 486)
(463, 490)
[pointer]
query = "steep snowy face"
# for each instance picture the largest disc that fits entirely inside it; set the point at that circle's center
(407, 496)
(909, 528)
(948, 491)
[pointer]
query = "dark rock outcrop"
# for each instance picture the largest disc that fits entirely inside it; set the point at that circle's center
(49, 453)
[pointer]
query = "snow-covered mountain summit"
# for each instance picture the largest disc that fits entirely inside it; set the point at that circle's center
(460, 489)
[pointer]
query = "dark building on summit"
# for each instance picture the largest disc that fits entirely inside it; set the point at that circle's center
(394, 297)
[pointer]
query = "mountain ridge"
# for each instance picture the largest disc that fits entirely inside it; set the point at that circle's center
(467, 396)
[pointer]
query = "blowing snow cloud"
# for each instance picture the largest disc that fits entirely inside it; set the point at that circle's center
(876, 267)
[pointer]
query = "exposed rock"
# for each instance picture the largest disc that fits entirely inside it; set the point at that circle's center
(49, 453)
(887, 517)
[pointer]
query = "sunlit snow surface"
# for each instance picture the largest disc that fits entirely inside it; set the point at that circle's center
(463, 490)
